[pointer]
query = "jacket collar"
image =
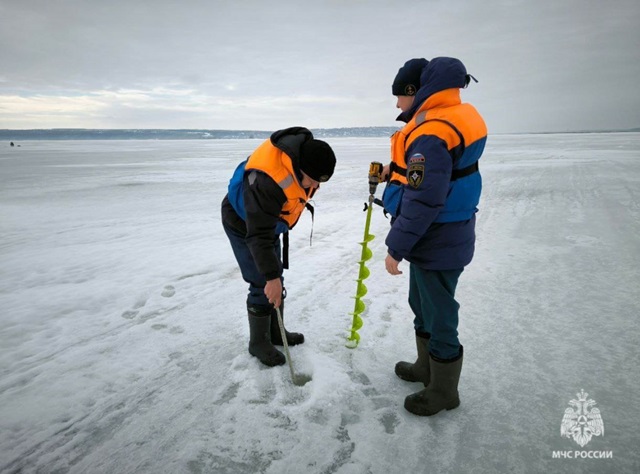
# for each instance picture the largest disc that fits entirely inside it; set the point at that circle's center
(445, 98)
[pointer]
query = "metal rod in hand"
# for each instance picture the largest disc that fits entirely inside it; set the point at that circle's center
(286, 346)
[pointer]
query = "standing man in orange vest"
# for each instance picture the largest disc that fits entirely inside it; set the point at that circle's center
(267, 194)
(433, 190)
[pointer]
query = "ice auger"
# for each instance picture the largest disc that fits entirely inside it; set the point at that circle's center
(375, 171)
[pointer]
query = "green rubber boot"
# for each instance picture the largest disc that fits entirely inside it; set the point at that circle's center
(419, 371)
(442, 392)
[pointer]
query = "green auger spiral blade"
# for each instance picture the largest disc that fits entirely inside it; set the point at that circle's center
(357, 322)
(375, 175)
(361, 290)
(364, 272)
(353, 341)
(359, 307)
(366, 254)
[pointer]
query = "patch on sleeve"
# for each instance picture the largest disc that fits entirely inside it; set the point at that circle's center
(416, 158)
(415, 174)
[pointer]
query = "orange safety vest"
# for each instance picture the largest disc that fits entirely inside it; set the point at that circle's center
(441, 115)
(279, 167)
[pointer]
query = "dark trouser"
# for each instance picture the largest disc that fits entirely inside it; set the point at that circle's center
(248, 268)
(431, 297)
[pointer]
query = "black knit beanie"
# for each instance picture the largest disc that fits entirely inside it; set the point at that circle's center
(317, 160)
(407, 81)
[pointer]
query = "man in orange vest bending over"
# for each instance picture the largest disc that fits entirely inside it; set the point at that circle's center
(267, 194)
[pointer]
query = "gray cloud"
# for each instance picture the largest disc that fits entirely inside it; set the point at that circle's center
(542, 66)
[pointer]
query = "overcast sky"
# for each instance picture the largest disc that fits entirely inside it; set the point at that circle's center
(545, 65)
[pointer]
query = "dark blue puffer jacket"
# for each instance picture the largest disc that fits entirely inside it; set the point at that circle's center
(434, 224)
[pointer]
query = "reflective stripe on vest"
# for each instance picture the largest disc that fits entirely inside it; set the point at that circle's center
(398, 171)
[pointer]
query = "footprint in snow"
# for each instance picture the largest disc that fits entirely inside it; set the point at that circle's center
(168, 291)
(133, 312)
(389, 420)
(130, 314)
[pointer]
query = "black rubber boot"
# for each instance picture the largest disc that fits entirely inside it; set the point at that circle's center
(418, 371)
(293, 338)
(442, 392)
(260, 344)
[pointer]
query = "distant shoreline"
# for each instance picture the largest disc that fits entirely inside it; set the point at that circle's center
(197, 134)
(178, 134)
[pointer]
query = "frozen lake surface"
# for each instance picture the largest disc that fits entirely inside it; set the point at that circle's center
(123, 329)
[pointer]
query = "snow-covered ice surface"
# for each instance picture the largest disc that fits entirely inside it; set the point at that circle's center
(123, 330)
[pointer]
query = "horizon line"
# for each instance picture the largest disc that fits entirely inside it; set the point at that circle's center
(634, 129)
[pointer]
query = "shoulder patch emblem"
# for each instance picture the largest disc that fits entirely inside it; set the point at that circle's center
(416, 158)
(415, 174)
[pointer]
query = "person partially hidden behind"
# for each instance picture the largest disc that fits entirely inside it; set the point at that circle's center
(267, 194)
(432, 194)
